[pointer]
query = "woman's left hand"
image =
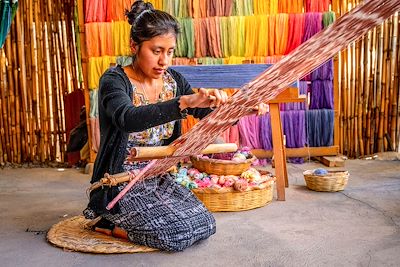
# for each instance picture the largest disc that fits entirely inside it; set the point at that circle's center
(217, 97)
(261, 109)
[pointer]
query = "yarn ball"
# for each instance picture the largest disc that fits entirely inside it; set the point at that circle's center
(183, 172)
(214, 178)
(241, 185)
(320, 171)
(198, 176)
(192, 172)
(239, 157)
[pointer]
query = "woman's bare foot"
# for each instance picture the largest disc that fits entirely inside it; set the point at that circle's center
(103, 231)
(119, 233)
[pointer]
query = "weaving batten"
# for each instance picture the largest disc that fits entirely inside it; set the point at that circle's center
(273, 81)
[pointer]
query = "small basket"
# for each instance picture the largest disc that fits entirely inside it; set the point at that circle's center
(232, 200)
(330, 182)
(220, 166)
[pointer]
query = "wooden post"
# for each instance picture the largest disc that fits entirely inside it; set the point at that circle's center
(84, 58)
(360, 84)
(352, 101)
(3, 79)
(336, 87)
(367, 66)
(337, 102)
(279, 151)
(22, 117)
(395, 81)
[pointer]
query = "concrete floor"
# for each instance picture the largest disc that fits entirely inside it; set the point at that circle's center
(356, 227)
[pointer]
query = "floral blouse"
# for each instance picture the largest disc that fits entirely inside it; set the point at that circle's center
(153, 136)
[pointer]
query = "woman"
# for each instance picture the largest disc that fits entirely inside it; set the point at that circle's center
(141, 105)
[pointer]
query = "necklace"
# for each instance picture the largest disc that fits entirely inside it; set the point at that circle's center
(144, 88)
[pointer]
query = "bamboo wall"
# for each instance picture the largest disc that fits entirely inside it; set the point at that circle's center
(38, 67)
(368, 81)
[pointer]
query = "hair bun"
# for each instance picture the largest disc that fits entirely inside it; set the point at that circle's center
(136, 9)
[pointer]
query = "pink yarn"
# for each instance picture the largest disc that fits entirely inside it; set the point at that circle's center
(249, 132)
(231, 135)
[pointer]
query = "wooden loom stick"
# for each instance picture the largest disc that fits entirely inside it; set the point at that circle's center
(273, 81)
(140, 153)
(132, 183)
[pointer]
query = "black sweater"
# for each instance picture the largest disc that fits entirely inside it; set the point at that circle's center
(118, 117)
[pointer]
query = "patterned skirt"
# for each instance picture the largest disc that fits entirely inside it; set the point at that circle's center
(159, 213)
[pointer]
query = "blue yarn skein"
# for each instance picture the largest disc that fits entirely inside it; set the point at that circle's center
(320, 171)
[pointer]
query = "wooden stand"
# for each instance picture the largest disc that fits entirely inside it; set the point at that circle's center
(289, 95)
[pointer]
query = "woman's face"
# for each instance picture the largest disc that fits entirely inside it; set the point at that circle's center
(155, 55)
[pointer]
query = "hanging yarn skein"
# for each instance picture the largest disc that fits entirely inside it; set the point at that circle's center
(295, 32)
(294, 129)
(265, 132)
(281, 33)
(312, 25)
(262, 35)
(249, 132)
(320, 127)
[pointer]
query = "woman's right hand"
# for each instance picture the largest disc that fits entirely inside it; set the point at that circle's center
(211, 98)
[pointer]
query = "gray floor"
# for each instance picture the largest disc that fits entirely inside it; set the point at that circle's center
(356, 227)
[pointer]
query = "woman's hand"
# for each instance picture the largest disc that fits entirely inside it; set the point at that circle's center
(261, 109)
(211, 98)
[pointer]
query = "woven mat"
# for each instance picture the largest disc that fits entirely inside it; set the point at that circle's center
(71, 234)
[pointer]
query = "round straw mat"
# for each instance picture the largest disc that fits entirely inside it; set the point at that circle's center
(72, 234)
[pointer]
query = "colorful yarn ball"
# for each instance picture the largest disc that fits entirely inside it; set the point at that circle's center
(192, 172)
(241, 185)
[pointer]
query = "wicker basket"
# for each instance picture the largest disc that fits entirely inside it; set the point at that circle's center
(234, 200)
(331, 182)
(221, 167)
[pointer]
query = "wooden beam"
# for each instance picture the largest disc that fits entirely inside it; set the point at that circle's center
(332, 161)
(300, 98)
(299, 152)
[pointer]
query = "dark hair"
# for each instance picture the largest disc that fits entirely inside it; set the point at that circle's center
(148, 22)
